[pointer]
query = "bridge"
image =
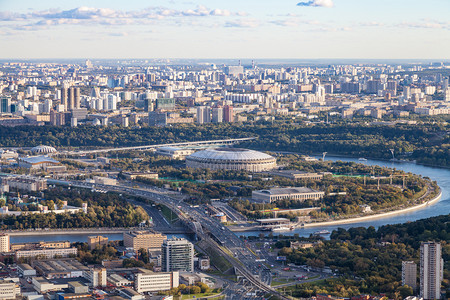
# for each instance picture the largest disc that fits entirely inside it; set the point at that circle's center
(225, 242)
(193, 145)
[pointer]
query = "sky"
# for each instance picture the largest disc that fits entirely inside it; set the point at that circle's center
(252, 29)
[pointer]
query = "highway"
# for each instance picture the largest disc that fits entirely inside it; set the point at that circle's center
(199, 144)
(207, 228)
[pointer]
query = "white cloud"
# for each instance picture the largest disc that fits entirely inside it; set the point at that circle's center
(105, 16)
(246, 23)
(317, 3)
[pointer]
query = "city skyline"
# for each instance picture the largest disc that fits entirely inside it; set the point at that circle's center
(215, 29)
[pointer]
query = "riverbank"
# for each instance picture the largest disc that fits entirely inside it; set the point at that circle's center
(83, 231)
(352, 220)
(377, 216)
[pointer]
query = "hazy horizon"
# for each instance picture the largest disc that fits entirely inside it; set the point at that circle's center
(315, 29)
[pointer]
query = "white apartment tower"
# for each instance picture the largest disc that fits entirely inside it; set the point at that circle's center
(431, 270)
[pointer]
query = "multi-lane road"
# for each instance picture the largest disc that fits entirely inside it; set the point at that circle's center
(212, 232)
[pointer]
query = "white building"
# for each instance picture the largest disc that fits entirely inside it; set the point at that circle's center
(148, 281)
(96, 277)
(173, 152)
(294, 193)
(47, 253)
(203, 114)
(4, 242)
(9, 289)
(177, 255)
(431, 270)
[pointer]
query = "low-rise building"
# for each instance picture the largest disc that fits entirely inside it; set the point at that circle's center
(301, 245)
(148, 281)
(94, 241)
(130, 294)
(40, 245)
(47, 253)
(9, 289)
(296, 175)
(60, 268)
(26, 270)
(118, 280)
(292, 193)
(134, 175)
(204, 263)
(105, 180)
(173, 152)
(37, 162)
(25, 183)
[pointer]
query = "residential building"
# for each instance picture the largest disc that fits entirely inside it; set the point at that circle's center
(25, 183)
(203, 114)
(431, 270)
(409, 274)
(228, 115)
(4, 242)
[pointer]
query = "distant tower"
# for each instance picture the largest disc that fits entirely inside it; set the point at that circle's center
(239, 62)
(431, 270)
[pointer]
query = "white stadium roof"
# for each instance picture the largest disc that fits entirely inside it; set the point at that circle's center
(229, 154)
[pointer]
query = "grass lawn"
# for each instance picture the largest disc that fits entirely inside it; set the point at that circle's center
(168, 214)
(281, 281)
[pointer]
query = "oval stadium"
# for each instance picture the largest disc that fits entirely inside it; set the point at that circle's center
(42, 149)
(231, 159)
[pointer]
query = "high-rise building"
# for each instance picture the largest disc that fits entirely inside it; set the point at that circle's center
(373, 86)
(228, 115)
(217, 115)
(5, 105)
(234, 70)
(4, 242)
(177, 255)
(431, 270)
(165, 103)
(409, 274)
(446, 95)
(65, 97)
(203, 114)
(156, 118)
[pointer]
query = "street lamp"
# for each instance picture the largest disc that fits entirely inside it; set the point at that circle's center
(392, 151)
(323, 155)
